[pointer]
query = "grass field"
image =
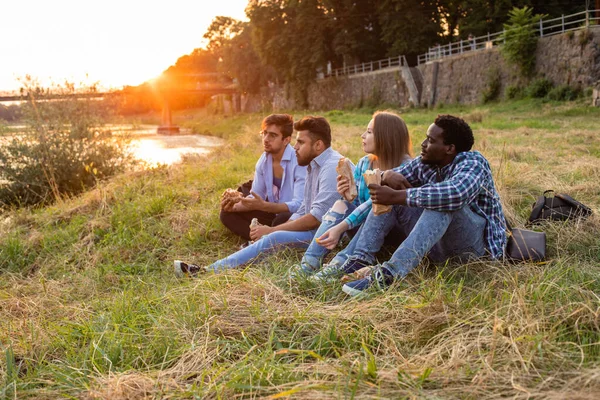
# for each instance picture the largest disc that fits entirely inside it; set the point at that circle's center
(89, 306)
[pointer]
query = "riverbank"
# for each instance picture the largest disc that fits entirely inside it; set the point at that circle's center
(90, 307)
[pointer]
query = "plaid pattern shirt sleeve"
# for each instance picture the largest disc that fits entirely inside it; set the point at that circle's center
(356, 217)
(461, 188)
(412, 171)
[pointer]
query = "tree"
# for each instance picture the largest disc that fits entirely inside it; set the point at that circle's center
(230, 41)
(520, 39)
(355, 31)
(478, 17)
(290, 36)
(409, 27)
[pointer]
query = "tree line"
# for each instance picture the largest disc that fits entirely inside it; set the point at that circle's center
(288, 41)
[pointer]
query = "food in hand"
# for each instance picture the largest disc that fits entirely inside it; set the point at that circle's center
(254, 223)
(374, 177)
(229, 198)
(344, 168)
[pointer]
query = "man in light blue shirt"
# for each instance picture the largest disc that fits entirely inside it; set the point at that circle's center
(313, 149)
(278, 184)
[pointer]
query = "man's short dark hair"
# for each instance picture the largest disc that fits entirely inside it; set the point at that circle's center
(285, 122)
(318, 127)
(456, 131)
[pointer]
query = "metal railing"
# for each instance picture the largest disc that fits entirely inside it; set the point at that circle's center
(399, 61)
(544, 28)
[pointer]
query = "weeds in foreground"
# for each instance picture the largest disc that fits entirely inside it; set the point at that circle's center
(89, 307)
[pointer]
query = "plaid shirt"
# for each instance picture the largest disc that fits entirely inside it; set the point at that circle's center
(467, 181)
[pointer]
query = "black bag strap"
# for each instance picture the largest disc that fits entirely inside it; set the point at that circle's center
(538, 206)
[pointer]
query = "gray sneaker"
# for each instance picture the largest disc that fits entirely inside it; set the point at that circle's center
(329, 273)
(301, 271)
(183, 269)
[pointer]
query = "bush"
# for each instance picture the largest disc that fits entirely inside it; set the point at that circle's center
(539, 88)
(63, 148)
(514, 92)
(564, 93)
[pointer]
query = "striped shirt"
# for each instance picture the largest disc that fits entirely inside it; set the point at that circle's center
(467, 181)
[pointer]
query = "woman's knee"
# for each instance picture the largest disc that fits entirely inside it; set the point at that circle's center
(340, 206)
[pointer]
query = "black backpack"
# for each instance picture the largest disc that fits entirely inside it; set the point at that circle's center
(557, 207)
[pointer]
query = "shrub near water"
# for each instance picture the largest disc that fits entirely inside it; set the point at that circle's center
(63, 149)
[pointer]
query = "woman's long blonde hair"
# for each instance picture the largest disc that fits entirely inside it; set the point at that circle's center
(392, 142)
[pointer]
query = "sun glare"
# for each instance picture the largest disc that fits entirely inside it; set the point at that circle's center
(113, 42)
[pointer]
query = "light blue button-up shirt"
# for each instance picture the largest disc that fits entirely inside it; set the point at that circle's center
(292, 182)
(320, 191)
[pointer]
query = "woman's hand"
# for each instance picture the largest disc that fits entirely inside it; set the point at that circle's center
(343, 184)
(331, 238)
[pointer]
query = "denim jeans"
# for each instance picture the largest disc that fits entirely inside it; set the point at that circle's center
(267, 244)
(442, 235)
(313, 256)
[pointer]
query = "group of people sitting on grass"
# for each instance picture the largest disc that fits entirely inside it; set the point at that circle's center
(441, 204)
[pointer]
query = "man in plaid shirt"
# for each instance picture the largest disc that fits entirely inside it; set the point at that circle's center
(444, 200)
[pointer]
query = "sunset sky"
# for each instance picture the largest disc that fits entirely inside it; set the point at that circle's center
(116, 42)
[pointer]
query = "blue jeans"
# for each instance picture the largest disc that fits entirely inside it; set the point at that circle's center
(267, 244)
(442, 235)
(313, 257)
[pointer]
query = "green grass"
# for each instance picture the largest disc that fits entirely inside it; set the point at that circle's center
(89, 306)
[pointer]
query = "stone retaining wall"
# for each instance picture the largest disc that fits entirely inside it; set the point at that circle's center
(571, 59)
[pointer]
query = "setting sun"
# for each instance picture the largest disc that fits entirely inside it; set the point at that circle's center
(115, 43)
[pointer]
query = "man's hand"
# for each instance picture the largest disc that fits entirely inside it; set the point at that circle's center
(386, 195)
(259, 231)
(343, 184)
(255, 203)
(395, 180)
(227, 204)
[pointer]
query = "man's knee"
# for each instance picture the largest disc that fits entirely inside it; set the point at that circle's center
(224, 216)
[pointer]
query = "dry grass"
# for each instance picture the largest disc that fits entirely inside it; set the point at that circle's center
(89, 308)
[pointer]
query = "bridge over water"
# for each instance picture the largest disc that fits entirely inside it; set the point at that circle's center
(165, 89)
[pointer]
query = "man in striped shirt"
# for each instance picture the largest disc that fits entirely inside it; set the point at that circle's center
(444, 200)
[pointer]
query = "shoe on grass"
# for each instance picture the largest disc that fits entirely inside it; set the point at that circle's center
(380, 279)
(183, 269)
(301, 271)
(353, 264)
(329, 273)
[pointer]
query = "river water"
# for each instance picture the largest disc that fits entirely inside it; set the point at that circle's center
(155, 149)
